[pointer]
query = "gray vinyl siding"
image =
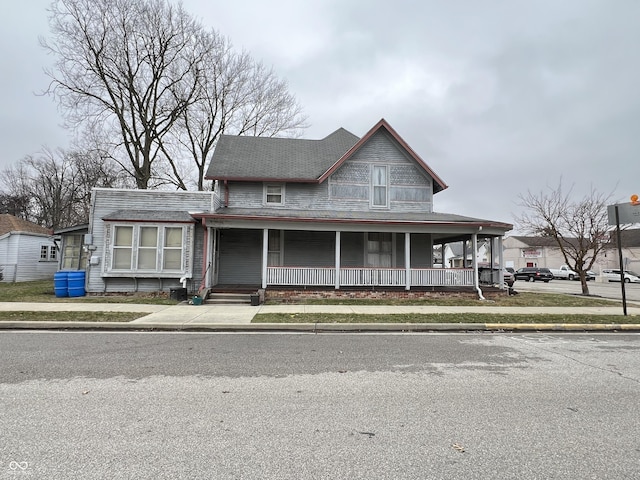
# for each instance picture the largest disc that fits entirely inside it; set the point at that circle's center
(240, 257)
(20, 260)
(421, 250)
(351, 249)
(349, 188)
(107, 201)
(309, 249)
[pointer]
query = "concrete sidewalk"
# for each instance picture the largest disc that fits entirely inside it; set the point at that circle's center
(239, 317)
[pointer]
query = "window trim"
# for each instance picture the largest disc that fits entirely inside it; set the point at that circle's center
(186, 249)
(373, 187)
(49, 252)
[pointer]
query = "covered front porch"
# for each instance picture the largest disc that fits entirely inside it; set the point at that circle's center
(280, 255)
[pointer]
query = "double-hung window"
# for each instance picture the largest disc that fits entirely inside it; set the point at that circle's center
(274, 194)
(379, 249)
(122, 248)
(148, 248)
(274, 248)
(380, 186)
(172, 249)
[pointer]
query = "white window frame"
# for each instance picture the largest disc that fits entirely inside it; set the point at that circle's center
(275, 255)
(48, 253)
(378, 252)
(266, 194)
(374, 185)
(186, 248)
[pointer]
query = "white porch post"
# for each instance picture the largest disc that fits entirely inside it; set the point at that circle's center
(337, 260)
(407, 259)
(265, 254)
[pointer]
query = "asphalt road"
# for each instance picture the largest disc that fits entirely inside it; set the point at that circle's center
(300, 406)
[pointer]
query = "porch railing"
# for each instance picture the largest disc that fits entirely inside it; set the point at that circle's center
(365, 277)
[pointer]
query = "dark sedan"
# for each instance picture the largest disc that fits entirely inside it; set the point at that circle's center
(534, 274)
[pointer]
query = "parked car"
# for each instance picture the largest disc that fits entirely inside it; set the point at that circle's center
(590, 276)
(564, 272)
(613, 275)
(532, 274)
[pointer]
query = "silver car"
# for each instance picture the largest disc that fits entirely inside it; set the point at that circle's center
(613, 275)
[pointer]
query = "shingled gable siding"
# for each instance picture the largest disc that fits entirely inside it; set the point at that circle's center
(348, 189)
(107, 201)
(410, 189)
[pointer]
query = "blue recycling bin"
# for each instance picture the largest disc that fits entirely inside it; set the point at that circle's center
(61, 284)
(76, 283)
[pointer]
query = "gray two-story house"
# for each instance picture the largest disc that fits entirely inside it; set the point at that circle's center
(340, 213)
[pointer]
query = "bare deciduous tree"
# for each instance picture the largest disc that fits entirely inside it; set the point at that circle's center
(58, 185)
(129, 65)
(146, 73)
(578, 227)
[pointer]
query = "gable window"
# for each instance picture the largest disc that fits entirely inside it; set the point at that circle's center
(274, 194)
(379, 249)
(380, 186)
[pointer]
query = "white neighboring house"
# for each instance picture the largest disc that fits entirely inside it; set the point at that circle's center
(27, 250)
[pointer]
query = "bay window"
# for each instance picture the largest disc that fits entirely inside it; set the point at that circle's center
(139, 250)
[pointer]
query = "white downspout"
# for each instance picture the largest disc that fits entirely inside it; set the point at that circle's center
(474, 254)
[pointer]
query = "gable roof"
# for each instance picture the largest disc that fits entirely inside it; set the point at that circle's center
(438, 184)
(260, 159)
(9, 223)
(277, 159)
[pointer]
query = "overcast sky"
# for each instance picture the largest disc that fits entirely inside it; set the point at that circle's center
(498, 97)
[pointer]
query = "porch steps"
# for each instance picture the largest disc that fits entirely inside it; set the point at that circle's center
(228, 299)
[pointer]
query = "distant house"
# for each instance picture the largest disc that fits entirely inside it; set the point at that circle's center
(342, 213)
(27, 250)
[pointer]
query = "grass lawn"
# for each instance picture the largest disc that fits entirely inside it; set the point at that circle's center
(41, 291)
(69, 316)
(441, 318)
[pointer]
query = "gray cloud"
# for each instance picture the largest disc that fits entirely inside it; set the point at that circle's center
(498, 97)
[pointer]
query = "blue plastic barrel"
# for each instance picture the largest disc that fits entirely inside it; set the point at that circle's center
(60, 284)
(76, 283)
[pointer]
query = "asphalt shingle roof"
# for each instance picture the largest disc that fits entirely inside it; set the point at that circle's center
(149, 216)
(268, 158)
(9, 223)
(368, 216)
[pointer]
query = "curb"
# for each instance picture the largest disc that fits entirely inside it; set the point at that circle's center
(323, 327)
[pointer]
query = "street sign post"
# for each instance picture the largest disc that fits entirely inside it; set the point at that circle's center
(623, 213)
